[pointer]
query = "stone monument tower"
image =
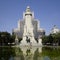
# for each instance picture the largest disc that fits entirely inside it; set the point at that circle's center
(28, 35)
(29, 29)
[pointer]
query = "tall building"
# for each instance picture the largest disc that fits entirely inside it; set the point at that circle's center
(28, 25)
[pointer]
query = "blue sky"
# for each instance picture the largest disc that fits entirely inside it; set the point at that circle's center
(47, 11)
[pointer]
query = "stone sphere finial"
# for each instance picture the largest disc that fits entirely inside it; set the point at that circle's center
(28, 9)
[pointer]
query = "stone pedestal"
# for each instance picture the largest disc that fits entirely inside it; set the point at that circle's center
(30, 41)
(28, 36)
(40, 42)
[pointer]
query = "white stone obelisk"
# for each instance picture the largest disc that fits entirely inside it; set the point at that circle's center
(28, 29)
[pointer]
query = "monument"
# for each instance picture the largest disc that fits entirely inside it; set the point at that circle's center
(28, 29)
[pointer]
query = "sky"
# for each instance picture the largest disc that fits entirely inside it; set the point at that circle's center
(46, 11)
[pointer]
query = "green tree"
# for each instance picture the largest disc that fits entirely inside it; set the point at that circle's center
(6, 38)
(45, 40)
(50, 39)
(56, 38)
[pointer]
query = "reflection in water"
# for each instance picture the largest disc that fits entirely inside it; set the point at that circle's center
(29, 53)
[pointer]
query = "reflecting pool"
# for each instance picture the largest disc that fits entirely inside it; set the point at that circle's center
(29, 53)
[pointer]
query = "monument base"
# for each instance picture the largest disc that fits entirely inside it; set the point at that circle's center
(31, 43)
(40, 42)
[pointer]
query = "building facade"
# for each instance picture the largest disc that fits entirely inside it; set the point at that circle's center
(31, 22)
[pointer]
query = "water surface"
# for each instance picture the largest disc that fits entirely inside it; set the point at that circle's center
(29, 53)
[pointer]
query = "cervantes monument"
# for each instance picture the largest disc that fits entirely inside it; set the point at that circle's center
(28, 29)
